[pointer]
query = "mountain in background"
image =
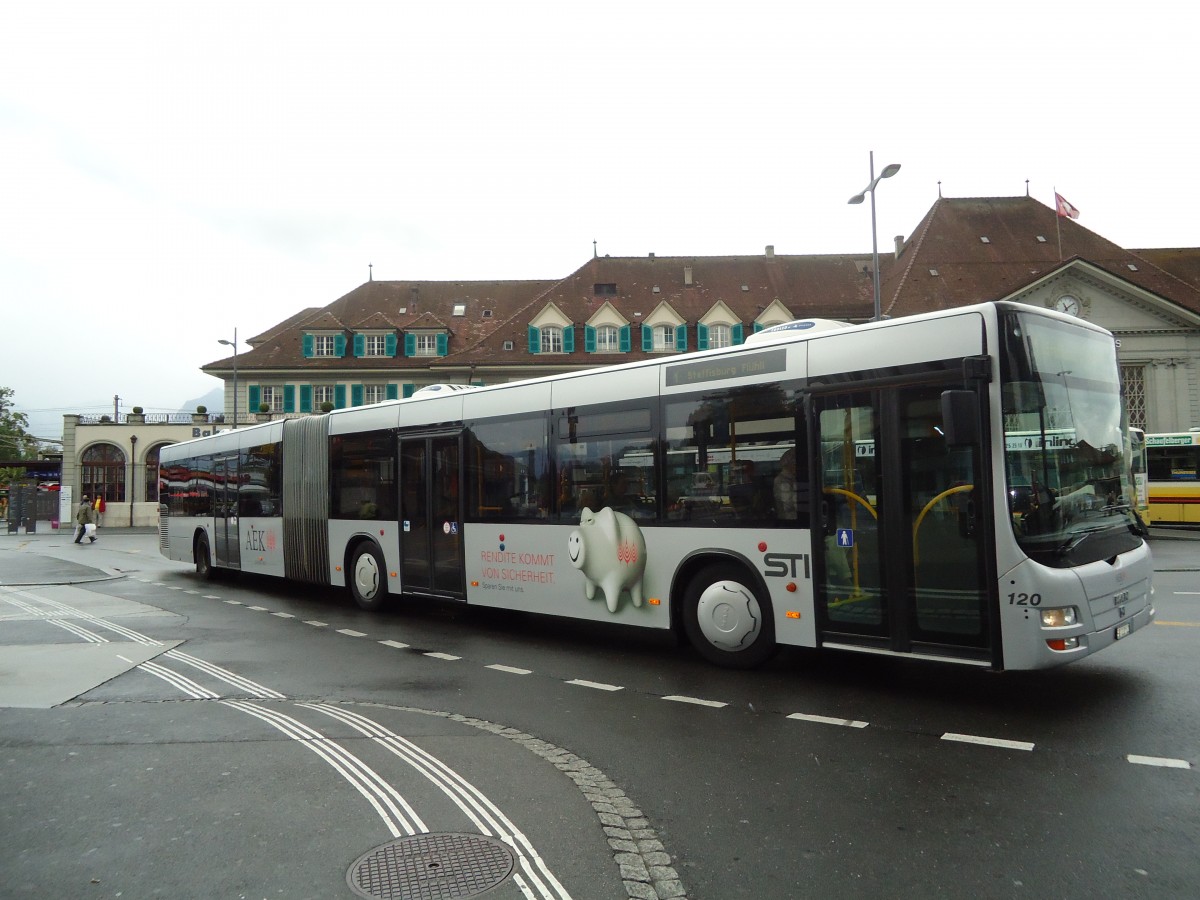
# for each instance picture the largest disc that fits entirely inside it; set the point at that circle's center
(214, 400)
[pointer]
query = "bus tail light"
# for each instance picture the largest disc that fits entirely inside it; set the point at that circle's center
(1058, 618)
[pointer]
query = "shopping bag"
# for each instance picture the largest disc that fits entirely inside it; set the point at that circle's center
(89, 530)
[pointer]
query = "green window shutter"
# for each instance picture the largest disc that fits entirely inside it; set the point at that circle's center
(339, 396)
(339, 345)
(647, 337)
(701, 337)
(569, 339)
(307, 344)
(356, 395)
(306, 398)
(738, 335)
(392, 391)
(681, 338)
(757, 327)
(289, 398)
(409, 389)
(253, 397)
(535, 340)
(360, 345)
(626, 338)
(410, 345)
(443, 344)
(589, 339)
(390, 341)
(476, 384)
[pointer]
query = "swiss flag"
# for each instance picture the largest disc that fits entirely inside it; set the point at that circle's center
(1065, 209)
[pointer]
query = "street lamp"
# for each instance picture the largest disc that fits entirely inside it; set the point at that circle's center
(234, 345)
(888, 172)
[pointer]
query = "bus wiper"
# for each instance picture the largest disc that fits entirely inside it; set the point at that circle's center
(1117, 507)
(1075, 540)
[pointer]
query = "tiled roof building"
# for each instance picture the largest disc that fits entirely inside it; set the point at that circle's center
(385, 339)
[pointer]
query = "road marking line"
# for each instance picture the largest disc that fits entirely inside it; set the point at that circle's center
(716, 704)
(316, 624)
(214, 597)
(1158, 761)
(396, 644)
(987, 741)
(174, 587)
(233, 602)
(349, 632)
(513, 670)
(257, 608)
(597, 685)
(1180, 624)
(284, 615)
(443, 656)
(828, 720)
(191, 592)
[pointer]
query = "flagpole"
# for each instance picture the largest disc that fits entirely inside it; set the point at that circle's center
(1058, 224)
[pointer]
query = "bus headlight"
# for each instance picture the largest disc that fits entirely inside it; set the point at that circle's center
(1057, 618)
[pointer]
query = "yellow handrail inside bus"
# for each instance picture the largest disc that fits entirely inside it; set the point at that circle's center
(928, 506)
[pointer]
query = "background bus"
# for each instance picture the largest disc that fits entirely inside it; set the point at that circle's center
(1138, 465)
(1173, 465)
(939, 487)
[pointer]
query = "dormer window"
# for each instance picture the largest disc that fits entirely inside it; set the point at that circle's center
(664, 337)
(323, 345)
(326, 345)
(426, 343)
(552, 339)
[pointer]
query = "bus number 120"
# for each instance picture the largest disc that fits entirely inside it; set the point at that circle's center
(1024, 599)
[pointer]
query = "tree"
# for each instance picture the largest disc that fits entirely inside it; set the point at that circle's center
(15, 441)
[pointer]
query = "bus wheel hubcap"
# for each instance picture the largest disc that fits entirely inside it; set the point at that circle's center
(366, 575)
(729, 615)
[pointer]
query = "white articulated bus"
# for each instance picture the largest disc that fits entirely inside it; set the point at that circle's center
(952, 486)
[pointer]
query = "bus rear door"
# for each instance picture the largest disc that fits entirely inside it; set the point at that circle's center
(227, 549)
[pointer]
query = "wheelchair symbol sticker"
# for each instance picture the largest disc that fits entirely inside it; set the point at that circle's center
(845, 537)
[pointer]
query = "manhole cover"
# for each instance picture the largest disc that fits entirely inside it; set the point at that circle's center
(431, 867)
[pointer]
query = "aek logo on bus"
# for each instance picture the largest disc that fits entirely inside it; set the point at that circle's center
(260, 540)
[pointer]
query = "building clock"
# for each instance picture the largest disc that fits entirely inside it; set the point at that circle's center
(1067, 304)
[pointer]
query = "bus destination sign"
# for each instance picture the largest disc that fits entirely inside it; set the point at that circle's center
(742, 365)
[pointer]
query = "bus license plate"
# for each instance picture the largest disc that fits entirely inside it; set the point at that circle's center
(1122, 630)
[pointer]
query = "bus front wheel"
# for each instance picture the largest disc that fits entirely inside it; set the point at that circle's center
(203, 559)
(368, 577)
(726, 620)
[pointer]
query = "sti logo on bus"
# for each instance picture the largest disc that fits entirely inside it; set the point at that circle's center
(785, 565)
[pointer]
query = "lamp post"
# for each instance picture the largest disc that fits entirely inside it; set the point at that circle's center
(234, 345)
(887, 172)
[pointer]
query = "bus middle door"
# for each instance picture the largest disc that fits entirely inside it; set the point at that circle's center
(431, 540)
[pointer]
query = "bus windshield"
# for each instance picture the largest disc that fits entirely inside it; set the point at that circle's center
(1069, 482)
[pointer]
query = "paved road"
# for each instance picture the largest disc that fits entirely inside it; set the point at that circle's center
(162, 736)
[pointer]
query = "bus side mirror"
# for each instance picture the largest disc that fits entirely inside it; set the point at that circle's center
(960, 418)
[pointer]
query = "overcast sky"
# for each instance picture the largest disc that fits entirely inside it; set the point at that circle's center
(171, 171)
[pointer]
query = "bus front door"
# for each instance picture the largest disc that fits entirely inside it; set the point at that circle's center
(431, 540)
(899, 532)
(227, 549)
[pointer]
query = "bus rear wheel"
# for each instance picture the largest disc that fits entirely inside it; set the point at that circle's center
(726, 619)
(368, 577)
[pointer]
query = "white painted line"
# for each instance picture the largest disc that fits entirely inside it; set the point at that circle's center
(351, 633)
(1161, 761)
(174, 587)
(827, 720)
(215, 597)
(316, 624)
(443, 656)
(1187, 593)
(232, 602)
(512, 670)
(598, 685)
(716, 704)
(396, 644)
(257, 608)
(987, 741)
(191, 592)
(284, 615)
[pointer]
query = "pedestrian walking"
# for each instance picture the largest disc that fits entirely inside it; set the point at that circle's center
(83, 517)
